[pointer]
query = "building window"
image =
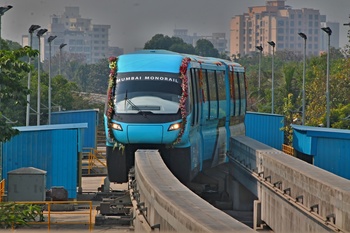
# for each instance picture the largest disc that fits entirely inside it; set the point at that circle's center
(311, 17)
(280, 30)
(280, 23)
(291, 31)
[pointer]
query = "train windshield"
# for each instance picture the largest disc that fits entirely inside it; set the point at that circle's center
(155, 92)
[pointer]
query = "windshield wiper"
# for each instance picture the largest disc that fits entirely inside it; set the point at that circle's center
(134, 107)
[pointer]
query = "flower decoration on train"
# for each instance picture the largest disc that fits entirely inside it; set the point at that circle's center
(110, 104)
(184, 95)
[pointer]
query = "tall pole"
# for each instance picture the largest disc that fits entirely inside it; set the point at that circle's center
(30, 43)
(49, 40)
(3, 9)
(273, 75)
(302, 35)
(39, 34)
(329, 33)
(260, 48)
(61, 46)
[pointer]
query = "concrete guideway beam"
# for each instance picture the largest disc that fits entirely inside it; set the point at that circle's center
(170, 206)
(295, 196)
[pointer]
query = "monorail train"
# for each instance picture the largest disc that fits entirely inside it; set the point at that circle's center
(185, 106)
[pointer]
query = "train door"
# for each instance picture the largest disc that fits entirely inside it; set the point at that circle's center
(195, 136)
(213, 117)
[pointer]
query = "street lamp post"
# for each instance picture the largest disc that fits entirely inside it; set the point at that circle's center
(260, 48)
(39, 34)
(61, 46)
(30, 43)
(49, 40)
(3, 9)
(302, 35)
(273, 74)
(329, 32)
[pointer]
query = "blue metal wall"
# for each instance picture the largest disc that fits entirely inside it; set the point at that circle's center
(265, 128)
(89, 116)
(329, 147)
(52, 148)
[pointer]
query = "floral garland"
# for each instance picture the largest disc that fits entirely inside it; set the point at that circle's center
(111, 85)
(184, 95)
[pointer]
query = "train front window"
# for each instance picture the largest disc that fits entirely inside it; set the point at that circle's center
(158, 93)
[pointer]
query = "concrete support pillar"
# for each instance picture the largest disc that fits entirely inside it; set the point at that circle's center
(257, 222)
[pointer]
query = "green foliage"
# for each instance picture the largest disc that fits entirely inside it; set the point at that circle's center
(203, 47)
(13, 91)
(206, 48)
(13, 215)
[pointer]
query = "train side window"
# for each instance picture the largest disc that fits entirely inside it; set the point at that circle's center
(213, 95)
(206, 97)
(237, 95)
(194, 96)
(232, 93)
(243, 93)
(220, 77)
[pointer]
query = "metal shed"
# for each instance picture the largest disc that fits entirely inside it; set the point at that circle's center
(52, 148)
(89, 116)
(327, 148)
(265, 128)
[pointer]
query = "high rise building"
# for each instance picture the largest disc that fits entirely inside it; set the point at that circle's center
(81, 36)
(276, 22)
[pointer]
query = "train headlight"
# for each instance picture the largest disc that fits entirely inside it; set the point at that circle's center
(175, 126)
(117, 126)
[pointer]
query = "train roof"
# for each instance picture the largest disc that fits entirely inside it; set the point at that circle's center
(200, 60)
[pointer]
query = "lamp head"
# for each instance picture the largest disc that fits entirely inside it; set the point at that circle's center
(62, 45)
(33, 28)
(327, 30)
(302, 35)
(51, 38)
(41, 32)
(260, 48)
(272, 43)
(3, 9)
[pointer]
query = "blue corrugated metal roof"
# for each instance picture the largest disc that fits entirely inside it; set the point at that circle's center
(51, 127)
(323, 132)
(329, 147)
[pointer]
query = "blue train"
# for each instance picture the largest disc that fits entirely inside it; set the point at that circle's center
(185, 106)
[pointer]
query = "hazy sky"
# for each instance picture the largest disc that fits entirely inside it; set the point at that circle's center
(134, 22)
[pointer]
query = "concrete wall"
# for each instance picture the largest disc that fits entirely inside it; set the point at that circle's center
(295, 196)
(170, 205)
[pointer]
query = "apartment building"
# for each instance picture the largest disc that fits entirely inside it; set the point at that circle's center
(79, 34)
(276, 22)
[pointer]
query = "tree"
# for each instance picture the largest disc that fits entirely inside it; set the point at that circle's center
(206, 48)
(12, 91)
(175, 44)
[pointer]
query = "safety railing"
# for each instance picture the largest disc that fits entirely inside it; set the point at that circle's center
(2, 190)
(288, 149)
(95, 159)
(53, 213)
